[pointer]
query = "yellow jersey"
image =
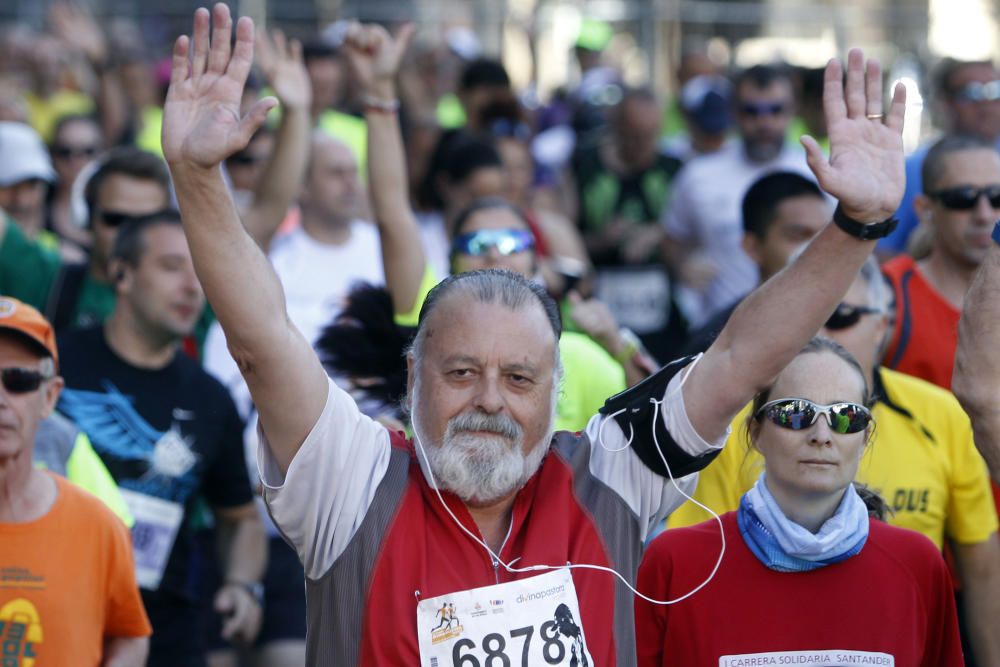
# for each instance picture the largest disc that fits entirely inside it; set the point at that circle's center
(921, 460)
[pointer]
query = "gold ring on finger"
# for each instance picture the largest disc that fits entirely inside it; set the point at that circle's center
(875, 116)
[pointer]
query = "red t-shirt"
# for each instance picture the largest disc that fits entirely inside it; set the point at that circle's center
(67, 583)
(892, 599)
(926, 330)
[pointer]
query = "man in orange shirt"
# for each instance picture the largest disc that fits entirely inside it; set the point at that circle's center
(68, 594)
(960, 203)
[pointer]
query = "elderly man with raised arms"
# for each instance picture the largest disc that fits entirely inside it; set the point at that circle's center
(435, 550)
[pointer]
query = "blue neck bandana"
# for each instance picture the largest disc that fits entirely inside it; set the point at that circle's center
(785, 546)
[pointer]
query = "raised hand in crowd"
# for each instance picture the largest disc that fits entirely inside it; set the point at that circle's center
(75, 26)
(375, 57)
(202, 126)
(865, 169)
(865, 173)
(280, 61)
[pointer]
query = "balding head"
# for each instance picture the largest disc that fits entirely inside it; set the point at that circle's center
(331, 194)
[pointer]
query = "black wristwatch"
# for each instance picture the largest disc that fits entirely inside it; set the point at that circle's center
(996, 232)
(859, 230)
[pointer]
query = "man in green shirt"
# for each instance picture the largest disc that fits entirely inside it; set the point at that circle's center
(129, 184)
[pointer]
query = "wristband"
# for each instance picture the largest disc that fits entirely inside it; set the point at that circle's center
(255, 589)
(996, 232)
(379, 105)
(861, 231)
(632, 346)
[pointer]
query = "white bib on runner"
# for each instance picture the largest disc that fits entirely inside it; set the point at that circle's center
(534, 621)
(153, 535)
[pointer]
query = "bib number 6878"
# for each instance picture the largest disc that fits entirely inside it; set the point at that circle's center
(494, 646)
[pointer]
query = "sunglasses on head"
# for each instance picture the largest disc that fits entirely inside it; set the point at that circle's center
(799, 413)
(117, 218)
(67, 152)
(965, 197)
(22, 380)
(762, 108)
(977, 91)
(506, 242)
(847, 315)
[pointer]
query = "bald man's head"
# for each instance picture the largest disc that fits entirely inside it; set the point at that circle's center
(332, 192)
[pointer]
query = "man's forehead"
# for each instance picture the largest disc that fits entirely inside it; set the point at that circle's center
(974, 165)
(462, 319)
(143, 193)
(16, 347)
(981, 72)
(778, 88)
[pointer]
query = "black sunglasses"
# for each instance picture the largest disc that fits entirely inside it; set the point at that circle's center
(67, 152)
(762, 108)
(117, 218)
(847, 315)
(22, 380)
(798, 414)
(245, 159)
(965, 197)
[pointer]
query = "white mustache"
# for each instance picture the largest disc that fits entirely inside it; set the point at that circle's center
(478, 421)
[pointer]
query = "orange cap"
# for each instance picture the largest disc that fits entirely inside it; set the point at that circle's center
(25, 320)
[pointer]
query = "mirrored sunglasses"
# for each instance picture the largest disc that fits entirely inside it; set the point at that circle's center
(977, 91)
(965, 197)
(506, 242)
(798, 414)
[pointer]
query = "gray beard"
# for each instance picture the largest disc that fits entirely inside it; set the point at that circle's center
(479, 469)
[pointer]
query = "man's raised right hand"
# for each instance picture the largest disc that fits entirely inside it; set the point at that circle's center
(201, 118)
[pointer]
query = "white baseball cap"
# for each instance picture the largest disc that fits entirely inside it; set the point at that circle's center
(22, 155)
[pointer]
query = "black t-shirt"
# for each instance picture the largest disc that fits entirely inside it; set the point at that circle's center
(171, 434)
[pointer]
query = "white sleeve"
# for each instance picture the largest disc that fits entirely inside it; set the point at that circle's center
(321, 502)
(651, 496)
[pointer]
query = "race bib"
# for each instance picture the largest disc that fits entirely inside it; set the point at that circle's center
(153, 535)
(808, 659)
(533, 621)
(638, 297)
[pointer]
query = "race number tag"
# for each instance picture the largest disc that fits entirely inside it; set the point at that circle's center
(638, 297)
(153, 535)
(534, 621)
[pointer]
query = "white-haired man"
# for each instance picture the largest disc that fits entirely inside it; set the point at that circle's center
(392, 531)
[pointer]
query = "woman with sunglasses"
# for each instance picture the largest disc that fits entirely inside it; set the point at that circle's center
(801, 541)
(76, 141)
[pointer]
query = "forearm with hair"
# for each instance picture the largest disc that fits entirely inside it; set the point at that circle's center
(242, 546)
(769, 328)
(238, 280)
(402, 249)
(976, 379)
(979, 570)
(125, 651)
(286, 380)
